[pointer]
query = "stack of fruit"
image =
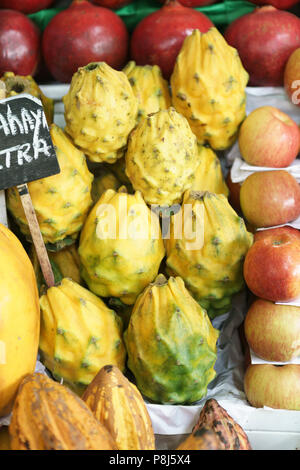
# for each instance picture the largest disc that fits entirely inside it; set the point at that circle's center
(127, 119)
(132, 295)
(146, 31)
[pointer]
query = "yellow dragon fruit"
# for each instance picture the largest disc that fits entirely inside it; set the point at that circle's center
(120, 246)
(149, 87)
(208, 87)
(100, 111)
(209, 175)
(16, 84)
(206, 246)
(61, 201)
(162, 157)
(171, 343)
(79, 334)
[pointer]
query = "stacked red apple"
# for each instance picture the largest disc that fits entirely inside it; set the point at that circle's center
(268, 198)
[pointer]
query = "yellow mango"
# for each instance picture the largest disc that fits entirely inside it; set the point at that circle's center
(19, 317)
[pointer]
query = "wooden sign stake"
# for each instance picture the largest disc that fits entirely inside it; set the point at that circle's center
(26, 140)
(36, 235)
(3, 215)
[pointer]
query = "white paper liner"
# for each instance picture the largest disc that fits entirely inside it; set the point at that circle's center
(258, 360)
(240, 170)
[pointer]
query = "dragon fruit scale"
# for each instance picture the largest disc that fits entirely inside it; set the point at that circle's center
(208, 88)
(209, 175)
(211, 261)
(120, 246)
(79, 334)
(171, 343)
(149, 87)
(100, 111)
(162, 157)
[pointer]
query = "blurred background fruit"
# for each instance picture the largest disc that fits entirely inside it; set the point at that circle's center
(19, 43)
(113, 4)
(83, 33)
(265, 39)
(157, 39)
(280, 4)
(193, 3)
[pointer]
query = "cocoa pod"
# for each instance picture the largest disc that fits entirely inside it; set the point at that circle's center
(230, 434)
(201, 439)
(48, 416)
(119, 406)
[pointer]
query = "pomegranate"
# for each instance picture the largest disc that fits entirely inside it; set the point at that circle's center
(113, 4)
(265, 39)
(234, 193)
(19, 43)
(194, 3)
(81, 34)
(280, 4)
(157, 39)
(26, 6)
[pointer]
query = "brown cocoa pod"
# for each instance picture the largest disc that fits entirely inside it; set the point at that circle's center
(201, 439)
(230, 434)
(119, 406)
(48, 416)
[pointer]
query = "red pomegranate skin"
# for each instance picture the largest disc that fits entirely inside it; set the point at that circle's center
(19, 43)
(81, 34)
(26, 6)
(193, 3)
(265, 39)
(112, 4)
(280, 4)
(157, 39)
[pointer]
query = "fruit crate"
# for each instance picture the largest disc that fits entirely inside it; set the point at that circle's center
(267, 429)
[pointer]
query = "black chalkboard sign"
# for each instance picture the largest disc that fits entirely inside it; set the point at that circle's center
(26, 149)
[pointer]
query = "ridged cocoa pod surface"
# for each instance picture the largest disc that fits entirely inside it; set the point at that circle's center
(119, 406)
(230, 434)
(201, 439)
(48, 416)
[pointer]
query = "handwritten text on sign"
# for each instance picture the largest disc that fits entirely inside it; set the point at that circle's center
(26, 148)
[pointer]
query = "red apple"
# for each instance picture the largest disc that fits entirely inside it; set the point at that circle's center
(268, 137)
(291, 77)
(272, 268)
(26, 6)
(273, 331)
(270, 198)
(278, 231)
(273, 386)
(19, 43)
